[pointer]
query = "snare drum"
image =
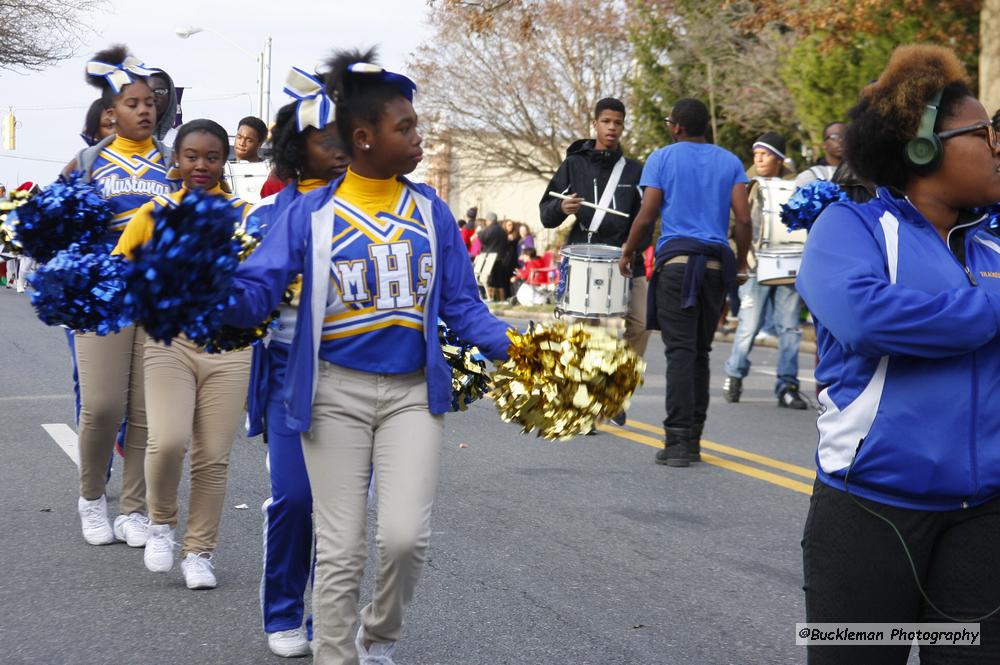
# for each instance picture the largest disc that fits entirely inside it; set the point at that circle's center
(590, 283)
(778, 264)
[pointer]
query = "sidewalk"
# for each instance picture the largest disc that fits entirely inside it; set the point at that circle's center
(543, 313)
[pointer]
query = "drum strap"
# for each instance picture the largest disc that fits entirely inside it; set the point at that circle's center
(606, 196)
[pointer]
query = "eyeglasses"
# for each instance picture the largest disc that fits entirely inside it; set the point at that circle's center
(991, 133)
(833, 137)
(161, 92)
(669, 121)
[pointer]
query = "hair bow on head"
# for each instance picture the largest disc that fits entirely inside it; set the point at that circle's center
(404, 84)
(314, 108)
(119, 76)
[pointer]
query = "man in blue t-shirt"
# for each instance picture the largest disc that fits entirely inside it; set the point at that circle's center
(690, 186)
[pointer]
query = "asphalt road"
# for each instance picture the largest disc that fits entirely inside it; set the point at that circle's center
(580, 552)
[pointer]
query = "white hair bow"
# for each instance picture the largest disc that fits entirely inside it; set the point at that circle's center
(119, 76)
(314, 108)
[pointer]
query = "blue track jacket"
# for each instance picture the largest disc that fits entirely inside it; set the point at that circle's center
(907, 340)
(299, 241)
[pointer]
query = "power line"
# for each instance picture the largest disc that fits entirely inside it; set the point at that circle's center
(86, 106)
(32, 159)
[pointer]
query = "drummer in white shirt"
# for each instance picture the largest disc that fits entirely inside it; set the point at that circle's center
(768, 162)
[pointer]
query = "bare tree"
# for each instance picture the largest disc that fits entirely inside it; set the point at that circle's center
(37, 33)
(516, 88)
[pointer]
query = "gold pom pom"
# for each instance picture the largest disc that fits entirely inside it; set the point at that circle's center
(562, 379)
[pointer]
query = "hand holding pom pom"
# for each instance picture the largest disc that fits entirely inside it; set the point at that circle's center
(562, 379)
(68, 211)
(469, 378)
(179, 281)
(808, 202)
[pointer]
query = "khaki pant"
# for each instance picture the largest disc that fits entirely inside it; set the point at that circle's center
(359, 420)
(636, 335)
(111, 383)
(195, 399)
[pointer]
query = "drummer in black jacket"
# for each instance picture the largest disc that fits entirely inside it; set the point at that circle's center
(584, 175)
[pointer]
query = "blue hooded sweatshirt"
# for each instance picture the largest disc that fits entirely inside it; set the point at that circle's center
(907, 338)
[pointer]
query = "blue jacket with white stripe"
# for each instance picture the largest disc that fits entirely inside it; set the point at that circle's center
(907, 337)
(299, 242)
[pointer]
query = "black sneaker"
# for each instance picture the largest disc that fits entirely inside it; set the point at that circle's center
(732, 388)
(618, 419)
(789, 398)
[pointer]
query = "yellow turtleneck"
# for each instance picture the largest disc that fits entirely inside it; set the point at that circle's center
(371, 195)
(139, 230)
(309, 184)
(130, 147)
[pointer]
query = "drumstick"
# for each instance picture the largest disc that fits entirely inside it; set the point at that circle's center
(589, 205)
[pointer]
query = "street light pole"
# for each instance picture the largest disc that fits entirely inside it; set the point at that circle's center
(263, 59)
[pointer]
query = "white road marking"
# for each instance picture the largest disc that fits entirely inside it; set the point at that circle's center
(65, 438)
(30, 398)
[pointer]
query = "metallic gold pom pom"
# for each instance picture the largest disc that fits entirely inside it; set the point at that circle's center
(562, 379)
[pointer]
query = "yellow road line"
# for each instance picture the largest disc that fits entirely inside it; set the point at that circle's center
(729, 465)
(736, 452)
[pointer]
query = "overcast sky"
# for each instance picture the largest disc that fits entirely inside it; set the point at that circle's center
(50, 105)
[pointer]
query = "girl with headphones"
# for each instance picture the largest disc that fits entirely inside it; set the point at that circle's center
(904, 521)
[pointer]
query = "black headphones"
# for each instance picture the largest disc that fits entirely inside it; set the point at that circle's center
(924, 150)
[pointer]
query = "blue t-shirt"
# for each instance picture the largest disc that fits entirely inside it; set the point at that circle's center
(697, 182)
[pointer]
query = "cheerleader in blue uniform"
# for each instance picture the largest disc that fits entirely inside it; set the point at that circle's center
(367, 384)
(195, 399)
(131, 168)
(307, 152)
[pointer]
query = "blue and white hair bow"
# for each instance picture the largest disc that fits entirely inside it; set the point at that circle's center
(314, 108)
(119, 76)
(405, 85)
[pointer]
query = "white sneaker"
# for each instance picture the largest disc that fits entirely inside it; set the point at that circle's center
(379, 653)
(159, 554)
(94, 521)
(133, 529)
(289, 643)
(197, 569)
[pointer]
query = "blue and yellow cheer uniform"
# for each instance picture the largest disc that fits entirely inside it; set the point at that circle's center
(129, 174)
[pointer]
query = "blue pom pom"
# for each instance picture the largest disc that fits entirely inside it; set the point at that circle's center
(81, 288)
(68, 211)
(808, 202)
(179, 282)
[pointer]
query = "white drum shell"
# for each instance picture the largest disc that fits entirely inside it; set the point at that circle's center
(594, 285)
(778, 265)
(772, 193)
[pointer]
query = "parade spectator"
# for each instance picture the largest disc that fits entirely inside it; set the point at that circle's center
(525, 240)
(690, 187)
(904, 519)
(494, 243)
(467, 227)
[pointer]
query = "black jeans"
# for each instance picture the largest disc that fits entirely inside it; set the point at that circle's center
(856, 571)
(687, 340)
